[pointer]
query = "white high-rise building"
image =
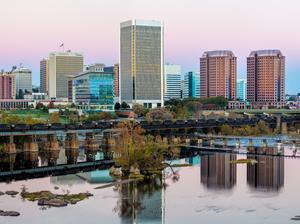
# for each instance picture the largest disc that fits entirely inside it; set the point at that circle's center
(23, 80)
(172, 82)
(62, 67)
(142, 63)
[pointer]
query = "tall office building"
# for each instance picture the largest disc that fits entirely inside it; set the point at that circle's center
(23, 80)
(172, 82)
(62, 67)
(115, 70)
(44, 76)
(191, 86)
(6, 86)
(142, 63)
(116, 80)
(218, 74)
(241, 89)
(266, 77)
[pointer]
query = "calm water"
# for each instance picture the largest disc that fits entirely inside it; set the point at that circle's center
(211, 191)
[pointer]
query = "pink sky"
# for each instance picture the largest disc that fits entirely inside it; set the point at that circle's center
(31, 29)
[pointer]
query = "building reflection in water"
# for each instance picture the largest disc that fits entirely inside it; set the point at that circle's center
(141, 202)
(217, 172)
(267, 173)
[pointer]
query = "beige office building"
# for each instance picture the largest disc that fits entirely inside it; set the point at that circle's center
(62, 66)
(218, 74)
(142, 63)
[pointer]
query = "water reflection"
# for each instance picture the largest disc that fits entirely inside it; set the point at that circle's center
(141, 202)
(267, 173)
(217, 172)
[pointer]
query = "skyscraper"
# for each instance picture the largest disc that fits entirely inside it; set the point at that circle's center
(116, 80)
(241, 89)
(218, 74)
(172, 82)
(266, 77)
(44, 76)
(191, 86)
(62, 66)
(23, 78)
(6, 86)
(142, 63)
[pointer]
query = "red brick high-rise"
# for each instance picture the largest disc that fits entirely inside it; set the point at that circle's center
(266, 77)
(218, 74)
(6, 86)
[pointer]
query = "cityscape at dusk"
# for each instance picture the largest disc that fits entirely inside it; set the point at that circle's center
(191, 27)
(149, 112)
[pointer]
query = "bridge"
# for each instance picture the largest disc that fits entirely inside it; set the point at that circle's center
(279, 122)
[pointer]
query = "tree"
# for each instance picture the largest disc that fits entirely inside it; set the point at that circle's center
(134, 149)
(159, 114)
(51, 105)
(54, 118)
(39, 106)
(139, 109)
(124, 105)
(117, 106)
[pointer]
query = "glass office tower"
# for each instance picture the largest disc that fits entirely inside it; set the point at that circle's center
(94, 90)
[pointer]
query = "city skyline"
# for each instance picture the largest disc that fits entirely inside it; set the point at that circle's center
(186, 36)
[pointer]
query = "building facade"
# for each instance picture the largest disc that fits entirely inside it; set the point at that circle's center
(6, 86)
(218, 74)
(191, 86)
(241, 89)
(172, 82)
(94, 89)
(44, 76)
(142, 63)
(62, 67)
(116, 80)
(23, 80)
(266, 77)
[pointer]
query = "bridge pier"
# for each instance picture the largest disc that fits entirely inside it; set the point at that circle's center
(225, 142)
(90, 142)
(264, 143)
(250, 142)
(10, 146)
(52, 143)
(238, 143)
(31, 145)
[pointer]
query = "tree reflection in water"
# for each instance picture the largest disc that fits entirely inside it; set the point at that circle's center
(141, 200)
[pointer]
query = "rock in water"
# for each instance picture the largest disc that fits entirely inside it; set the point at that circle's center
(11, 193)
(52, 202)
(2, 193)
(9, 213)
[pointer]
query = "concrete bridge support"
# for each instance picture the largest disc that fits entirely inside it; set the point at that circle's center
(52, 143)
(71, 141)
(225, 142)
(238, 143)
(31, 145)
(10, 146)
(91, 143)
(264, 143)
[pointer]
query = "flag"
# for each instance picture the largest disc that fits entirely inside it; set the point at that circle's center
(62, 45)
